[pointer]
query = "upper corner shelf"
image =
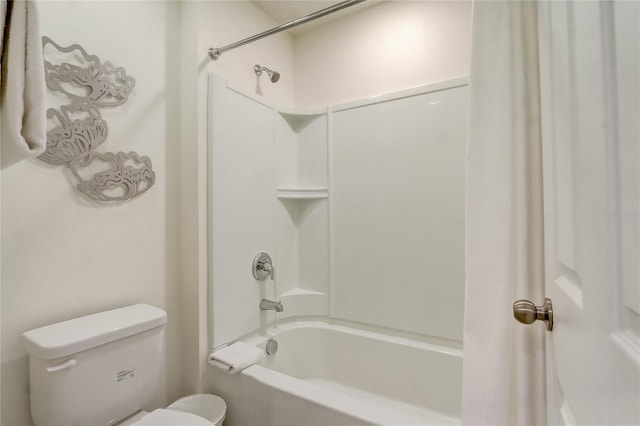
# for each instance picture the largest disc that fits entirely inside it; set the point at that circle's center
(302, 193)
(298, 119)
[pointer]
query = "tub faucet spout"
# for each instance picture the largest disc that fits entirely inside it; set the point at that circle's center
(270, 305)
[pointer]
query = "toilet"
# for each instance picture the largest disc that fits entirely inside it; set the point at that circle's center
(102, 369)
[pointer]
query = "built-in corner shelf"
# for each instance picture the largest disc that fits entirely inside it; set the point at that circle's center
(302, 193)
(302, 292)
(299, 118)
(303, 302)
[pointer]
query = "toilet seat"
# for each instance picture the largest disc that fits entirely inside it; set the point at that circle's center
(164, 417)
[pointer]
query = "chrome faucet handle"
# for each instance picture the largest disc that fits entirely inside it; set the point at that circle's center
(266, 266)
(263, 267)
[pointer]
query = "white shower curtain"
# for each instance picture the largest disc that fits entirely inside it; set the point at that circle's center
(503, 379)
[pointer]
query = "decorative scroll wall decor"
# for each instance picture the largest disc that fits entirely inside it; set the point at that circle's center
(79, 128)
(129, 173)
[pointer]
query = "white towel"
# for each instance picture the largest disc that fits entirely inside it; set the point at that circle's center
(3, 16)
(23, 90)
(236, 357)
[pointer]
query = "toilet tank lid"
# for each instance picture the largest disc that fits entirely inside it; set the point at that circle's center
(79, 334)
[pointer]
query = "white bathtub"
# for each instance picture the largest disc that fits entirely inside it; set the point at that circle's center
(325, 374)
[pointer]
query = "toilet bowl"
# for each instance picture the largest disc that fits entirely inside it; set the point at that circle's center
(193, 410)
(103, 369)
(165, 417)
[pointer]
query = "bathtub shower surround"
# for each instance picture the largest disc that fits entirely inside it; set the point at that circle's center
(349, 202)
(91, 85)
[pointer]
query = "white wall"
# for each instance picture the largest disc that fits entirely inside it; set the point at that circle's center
(223, 22)
(391, 46)
(63, 257)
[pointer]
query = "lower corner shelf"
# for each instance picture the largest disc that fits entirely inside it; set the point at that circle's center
(302, 193)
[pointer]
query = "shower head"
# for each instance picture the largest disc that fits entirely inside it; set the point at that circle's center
(273, 75)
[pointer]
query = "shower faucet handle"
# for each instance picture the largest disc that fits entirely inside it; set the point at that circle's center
(263, 267)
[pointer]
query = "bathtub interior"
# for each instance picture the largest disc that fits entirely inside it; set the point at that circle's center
(325, 373)
(397, 372)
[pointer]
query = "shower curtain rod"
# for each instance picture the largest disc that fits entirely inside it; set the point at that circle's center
(215, 52)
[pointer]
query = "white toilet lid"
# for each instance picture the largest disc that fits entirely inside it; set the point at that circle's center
(163, 417)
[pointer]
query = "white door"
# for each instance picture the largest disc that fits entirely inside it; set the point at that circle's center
(590, 73)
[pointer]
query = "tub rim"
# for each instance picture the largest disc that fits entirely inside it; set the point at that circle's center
(260, 336)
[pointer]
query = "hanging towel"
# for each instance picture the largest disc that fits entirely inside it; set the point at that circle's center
(236, 357)
(23, 89)
(3, 17)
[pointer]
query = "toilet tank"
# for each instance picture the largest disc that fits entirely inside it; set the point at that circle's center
(97, 369)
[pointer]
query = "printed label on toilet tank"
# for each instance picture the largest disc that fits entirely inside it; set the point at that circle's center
(125, 374)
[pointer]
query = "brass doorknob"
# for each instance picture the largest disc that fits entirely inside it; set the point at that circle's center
(527, 313)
